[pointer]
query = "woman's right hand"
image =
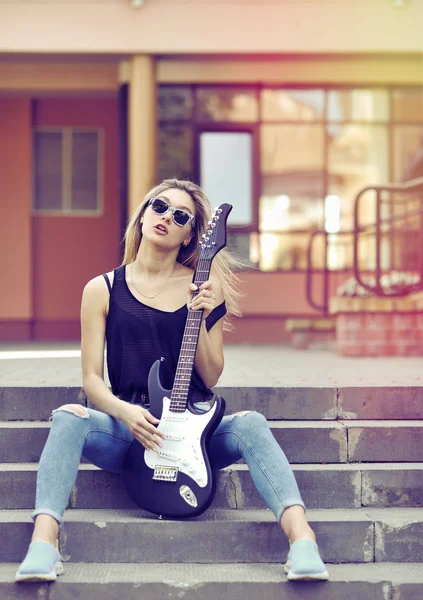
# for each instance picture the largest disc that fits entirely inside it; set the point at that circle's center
(142, 425)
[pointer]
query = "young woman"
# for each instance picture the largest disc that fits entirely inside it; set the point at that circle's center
(140, 309)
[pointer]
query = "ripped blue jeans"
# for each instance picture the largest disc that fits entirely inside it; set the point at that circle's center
(104, 441)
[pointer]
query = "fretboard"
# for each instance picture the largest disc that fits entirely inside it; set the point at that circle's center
(181, 385)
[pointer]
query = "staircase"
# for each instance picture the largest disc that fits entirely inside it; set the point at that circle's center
(358, 457)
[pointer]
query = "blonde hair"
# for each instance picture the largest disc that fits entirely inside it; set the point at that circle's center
(224, 263)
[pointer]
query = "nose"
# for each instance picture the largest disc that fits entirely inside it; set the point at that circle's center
(167, 216)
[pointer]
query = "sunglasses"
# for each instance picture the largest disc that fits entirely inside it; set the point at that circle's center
(179, 216)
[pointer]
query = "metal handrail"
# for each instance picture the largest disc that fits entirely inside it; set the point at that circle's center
(364, 230)
(324, 306)
(410, 186)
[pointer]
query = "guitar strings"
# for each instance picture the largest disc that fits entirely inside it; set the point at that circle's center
(201, 263)
(192, 317)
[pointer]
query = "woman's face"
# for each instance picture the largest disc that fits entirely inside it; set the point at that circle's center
(160, 228)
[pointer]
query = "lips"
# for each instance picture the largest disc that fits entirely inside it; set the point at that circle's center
(162, 228)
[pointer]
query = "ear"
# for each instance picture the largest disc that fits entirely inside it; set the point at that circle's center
(188, 239)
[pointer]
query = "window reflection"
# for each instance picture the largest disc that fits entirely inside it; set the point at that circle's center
(408, 105)
(357, 157)
(358, 105)
(175, 152)
(288, 251)
(292, 177)
(408, 152)
(292, 105)
(244, 246)
(174, 102)
(222, 104)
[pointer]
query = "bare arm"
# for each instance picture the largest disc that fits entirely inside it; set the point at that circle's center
(94, 305)
(209, 359)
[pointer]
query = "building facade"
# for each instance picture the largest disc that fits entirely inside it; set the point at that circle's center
(286, 110)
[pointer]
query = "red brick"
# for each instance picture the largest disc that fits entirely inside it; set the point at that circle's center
(410, 349)
(403, 322)
(378, 320)
(403, 335)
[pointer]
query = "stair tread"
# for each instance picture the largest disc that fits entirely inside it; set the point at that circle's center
(192, 573)
(274, 423)
(354, 466)
(394, 515)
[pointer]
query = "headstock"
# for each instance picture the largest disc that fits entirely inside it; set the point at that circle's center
(214, 239)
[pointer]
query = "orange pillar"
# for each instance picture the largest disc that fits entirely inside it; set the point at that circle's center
(142, 125)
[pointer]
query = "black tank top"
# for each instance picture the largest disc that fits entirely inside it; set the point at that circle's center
(137, 335)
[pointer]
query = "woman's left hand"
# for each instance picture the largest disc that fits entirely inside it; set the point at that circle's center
(205, 299)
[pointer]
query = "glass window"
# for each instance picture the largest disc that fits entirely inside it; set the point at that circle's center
(340, 251)
(408, 105)
(85, 170)
(224, 104)
(218, 150)
(358, 105)
(175, 152)
(175, 103)
(287, 251)
(357, 157)
(48, 170)
(244, 246)
(292, 105)
(292, 159)
(67, 168)
(408, 152)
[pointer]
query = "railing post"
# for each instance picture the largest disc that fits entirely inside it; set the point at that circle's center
(326, 279)
(378, 241)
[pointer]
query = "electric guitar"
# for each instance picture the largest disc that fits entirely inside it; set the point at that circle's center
(177, 481)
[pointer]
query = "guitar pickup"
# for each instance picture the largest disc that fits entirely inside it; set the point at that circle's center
(174, 438)
(168, 455)
(169, 474)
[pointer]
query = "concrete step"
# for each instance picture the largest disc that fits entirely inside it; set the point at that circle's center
(35, 403)
(322, 486)
(211, 581)
(217, 536)
(302, 441)
(349, 485)
(222, 536)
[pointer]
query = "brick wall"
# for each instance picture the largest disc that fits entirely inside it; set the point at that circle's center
(380, 334)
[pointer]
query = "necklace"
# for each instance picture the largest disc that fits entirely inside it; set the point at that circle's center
(152, 297)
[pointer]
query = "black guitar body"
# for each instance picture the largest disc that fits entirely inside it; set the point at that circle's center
(179, 494)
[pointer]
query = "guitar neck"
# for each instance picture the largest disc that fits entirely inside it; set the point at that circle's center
(181, 385)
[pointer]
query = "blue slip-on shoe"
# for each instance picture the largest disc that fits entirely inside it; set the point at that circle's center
(42, 563)
(304, 562)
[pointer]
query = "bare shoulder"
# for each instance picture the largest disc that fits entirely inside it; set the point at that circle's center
(96, 293)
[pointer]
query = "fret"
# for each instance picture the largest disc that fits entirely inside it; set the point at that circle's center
(183, 375)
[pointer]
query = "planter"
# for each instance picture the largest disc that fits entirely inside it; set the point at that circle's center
(378, 326)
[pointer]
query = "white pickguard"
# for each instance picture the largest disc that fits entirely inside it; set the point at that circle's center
(181, 448)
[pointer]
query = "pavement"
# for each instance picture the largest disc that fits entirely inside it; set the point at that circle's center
(59, 364)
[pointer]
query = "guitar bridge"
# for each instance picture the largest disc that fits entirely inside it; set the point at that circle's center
(169, 474)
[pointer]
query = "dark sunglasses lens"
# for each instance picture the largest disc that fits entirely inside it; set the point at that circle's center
(159, 206)
(181, 217)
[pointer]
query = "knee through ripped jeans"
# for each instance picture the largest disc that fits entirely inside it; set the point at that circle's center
(103, 440)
